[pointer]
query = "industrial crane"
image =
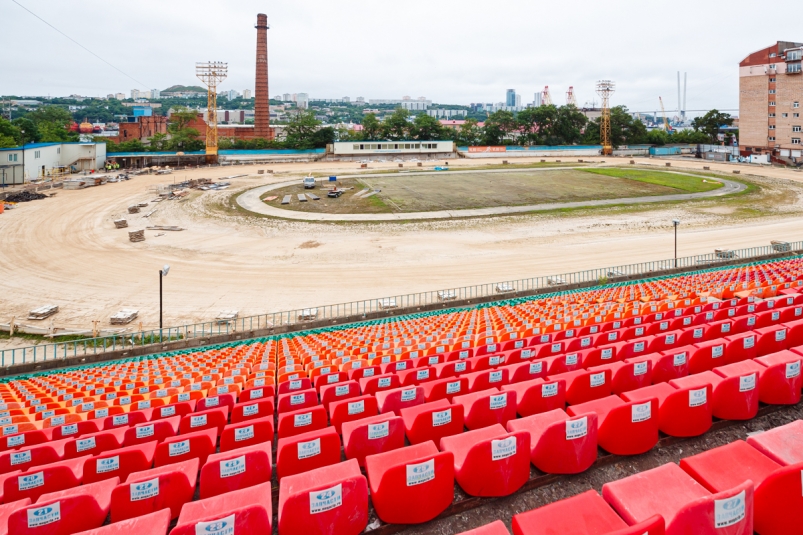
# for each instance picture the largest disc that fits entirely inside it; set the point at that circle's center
(663, 112)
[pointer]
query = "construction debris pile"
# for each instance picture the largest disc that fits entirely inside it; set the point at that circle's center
(24, 196)
(136, 235)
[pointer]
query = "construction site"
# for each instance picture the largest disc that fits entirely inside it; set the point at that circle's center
(579, 340)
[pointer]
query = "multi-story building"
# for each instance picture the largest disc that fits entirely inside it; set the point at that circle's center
(510, 99)
(770, 96)
(247, 94)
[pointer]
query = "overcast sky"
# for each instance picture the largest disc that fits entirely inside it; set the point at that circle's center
(449, 51)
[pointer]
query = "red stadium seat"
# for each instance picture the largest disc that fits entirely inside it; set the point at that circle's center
(169, 486)
(7, 509)
(779, 379)
(783, 444)
(43, 479)
(25, 458)
(216, 419)
(160, 430)
(739, 347)
(537, 396)
(375, 383)
(488, 407)
(411, 485)
(95, 443)
(483, 380)
(246, 433)
(490, 461)
(127, 419)
(595, 518)
(351, 409)
(682, 412)
(119, 463)
(432, 421)
(563, 363)
(735, 396)
(339, 392)
(236, 469)
(526, 371)
(13, 439)
(294, 385)
(583, 385)
(301, 421)
(625, 427)
(560, 444)
(262, 392)
(297, 400)
(626, 376)
(251, 410)
(217, 401)
(329, 500)
(246, 510)
(197, 445)
(778, 495)
(399, 398)
(445, 388)
(684, 504)
(307, 451)
(372, 435)
(180, 408)
(65, 512)
(667, 366)
(74, 429)
(707, 356)
(771, 339)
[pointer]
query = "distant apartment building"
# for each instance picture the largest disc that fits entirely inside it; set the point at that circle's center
(419, 104)
(446, 114)
(246, 94)
(302, 100)
(510, 99)
(770, 97)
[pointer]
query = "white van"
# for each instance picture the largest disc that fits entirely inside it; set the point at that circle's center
(309, 182)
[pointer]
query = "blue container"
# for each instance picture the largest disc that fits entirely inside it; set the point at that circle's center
(332, 179)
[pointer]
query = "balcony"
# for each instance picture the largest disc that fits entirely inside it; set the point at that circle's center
(793, 68)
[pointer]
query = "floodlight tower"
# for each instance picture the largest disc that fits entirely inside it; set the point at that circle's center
(570, 98)
(211, 73)
(606, 88)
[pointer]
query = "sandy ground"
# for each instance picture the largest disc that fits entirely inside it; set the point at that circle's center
(66, 251)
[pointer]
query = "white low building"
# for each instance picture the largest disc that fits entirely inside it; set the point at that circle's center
(394, 149)
(43, 160)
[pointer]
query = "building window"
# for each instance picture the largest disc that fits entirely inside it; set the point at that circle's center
(772, 91)
(12, 157)
(795, 115)
(772, 127)
(784, 115)
(37, 154)
(772, 115)
(58, 150)
(771, 138)
(772, 80)
(795, 141)
(772, 103)
(356, 147)
(794, 68)
(772, 54)
(796, 104)
(793, 55)
(795, 129)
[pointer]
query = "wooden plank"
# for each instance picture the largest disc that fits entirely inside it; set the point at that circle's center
(313, 197)
(286, 199)
(302, 197)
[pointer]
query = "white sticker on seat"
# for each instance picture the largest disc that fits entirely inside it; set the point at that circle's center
(679, 359)
(597, 379)
(717, 351)
(223, 526)
(21, 457)
(571, 359)
(549, 389)
(167, 411)
(729, 511)
(326, 500)
(41, 516)
(145, 489)
(420, 473)
(357, 407)
(378, 430)
(640, 368)
(302, 420)
(577, 428)
(495, 377)
(383, 382)
(178, 448)
(243, 433)
(440, 418)
(251, 410)
(698, 397)
(499, 401)
(198, 421)
(502, 449)
(459, 367)
(408, 395)
(309, 449)
(641, 412)
(110, 464)
(792, 369)
(30, 481)
(747, 382)
(85, 444)
(453, 388)
(232, 467)
(145, 431)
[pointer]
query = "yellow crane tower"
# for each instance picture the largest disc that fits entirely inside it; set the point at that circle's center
(667, 128)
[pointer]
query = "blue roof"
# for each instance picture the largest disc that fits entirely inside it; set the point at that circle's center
(50, 144)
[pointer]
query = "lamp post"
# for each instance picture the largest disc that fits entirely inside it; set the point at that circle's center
(23, 155)
(676, 222)
(162, 274)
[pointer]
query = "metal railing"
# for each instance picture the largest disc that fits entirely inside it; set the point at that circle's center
(502, 290)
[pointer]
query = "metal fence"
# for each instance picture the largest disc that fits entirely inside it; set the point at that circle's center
(297, 318)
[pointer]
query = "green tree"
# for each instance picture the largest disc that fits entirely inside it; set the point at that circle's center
(9, 134)
(711, 122)
(569, 124)
(469, 134)
(659, 137)
(183, 137)
(371, 127)
(527, 121)
(498, 126)
(159, 143)
(52, 123)
(301, 129)
(323, 137)
(32, 134)
(396, 126)
(625, 129)
(426, 127)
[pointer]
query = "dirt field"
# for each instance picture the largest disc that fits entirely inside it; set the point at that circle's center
(400, 193)
(66, 251)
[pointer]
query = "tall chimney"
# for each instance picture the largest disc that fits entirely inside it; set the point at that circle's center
(261, 99)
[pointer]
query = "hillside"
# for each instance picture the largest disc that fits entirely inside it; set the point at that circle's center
(174, 88)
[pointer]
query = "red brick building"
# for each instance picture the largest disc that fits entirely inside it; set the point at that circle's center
(770, 97)
(144, 128)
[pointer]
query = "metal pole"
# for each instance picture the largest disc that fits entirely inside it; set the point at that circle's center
(160, 298)
(676, 246)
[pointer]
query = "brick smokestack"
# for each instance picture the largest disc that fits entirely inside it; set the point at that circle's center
(261, 99)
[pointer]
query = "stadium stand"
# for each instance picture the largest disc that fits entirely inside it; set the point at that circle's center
(474, 396)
